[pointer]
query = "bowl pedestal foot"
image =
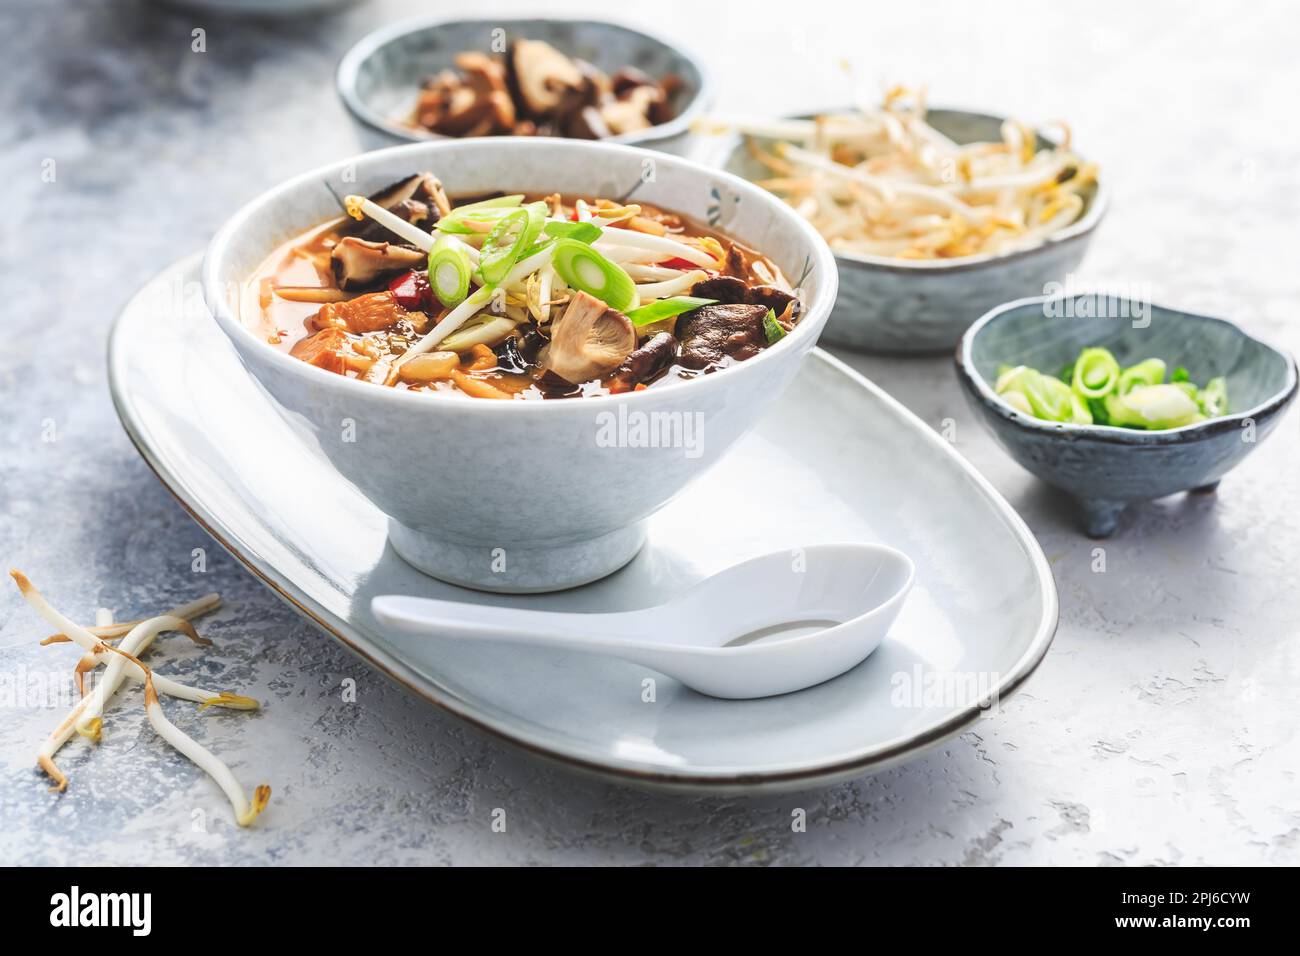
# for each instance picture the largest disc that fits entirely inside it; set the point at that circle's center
(514, 568)
(1209, 489)
(1100, 515)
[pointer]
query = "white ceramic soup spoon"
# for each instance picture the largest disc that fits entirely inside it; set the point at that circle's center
(769, 625)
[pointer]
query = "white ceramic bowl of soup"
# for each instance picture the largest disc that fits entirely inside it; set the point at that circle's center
(521, 496)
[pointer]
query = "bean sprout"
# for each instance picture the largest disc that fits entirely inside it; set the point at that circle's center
(246, 811)
(670, 287)
(89, 643)
(641, 272)
(92, 659)
(359, 206)
(107, 632)
(625, 255)
(89, 724)
(85, 716)
(668, 247)
(884, 182)
(63, 733)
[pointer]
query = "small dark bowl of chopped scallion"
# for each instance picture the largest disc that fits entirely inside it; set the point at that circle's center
(1116, 402)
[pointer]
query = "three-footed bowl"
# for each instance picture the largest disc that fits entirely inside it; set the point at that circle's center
(1106, 468)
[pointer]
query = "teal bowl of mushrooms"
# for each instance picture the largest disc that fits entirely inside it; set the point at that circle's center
(1117, 401)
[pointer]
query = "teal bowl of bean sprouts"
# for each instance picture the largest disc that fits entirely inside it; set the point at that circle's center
(1094, 395)
(935, 216)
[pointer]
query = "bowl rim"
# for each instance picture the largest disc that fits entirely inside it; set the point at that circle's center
(1078, 229)
(800, 339)
(1113, 434)
(349, 67)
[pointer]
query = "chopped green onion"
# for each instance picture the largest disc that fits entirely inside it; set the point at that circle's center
(478, 217)
(585, 269)
(581, 231)
(772, 328)
(483, 221)
(1096, 373)
(667, 308)
(537, 212)
(1094, 390)
(535, 248)
(1097, 408)
(508, 238)
(449, 271)
(1047, 397)
(1150, 372)
(1213, 399)
(1018, 401)
(1007, 377)
(1153, 406)
(496, 202)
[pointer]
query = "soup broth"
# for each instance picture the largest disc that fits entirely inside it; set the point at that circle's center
(516, 297)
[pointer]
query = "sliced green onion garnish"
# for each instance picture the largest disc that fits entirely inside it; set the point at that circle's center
(449, 271)
(496, 202)
(1093, 390)
(1047, 397)
(666, 309)
(1097, 408)
(1018, 401)
(772, 328)
(585, 269)
(1150, 372)
(1096, 373)
(581, 231)
(505, 242)
(1079, 413)
(473, 223)
(535, 248)
(1153, 406)
(478, 217)
(537, 212)
(1213, 399)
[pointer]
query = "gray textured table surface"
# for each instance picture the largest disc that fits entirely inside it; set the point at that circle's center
(1161, 729)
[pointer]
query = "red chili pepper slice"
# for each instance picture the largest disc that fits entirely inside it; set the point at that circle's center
(412, 292)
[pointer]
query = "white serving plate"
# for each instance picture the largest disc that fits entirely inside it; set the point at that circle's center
(838, 460)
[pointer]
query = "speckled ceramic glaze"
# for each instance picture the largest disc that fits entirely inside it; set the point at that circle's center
(521, 496)
(898, 306)
(1107, 468)
(379, 78)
